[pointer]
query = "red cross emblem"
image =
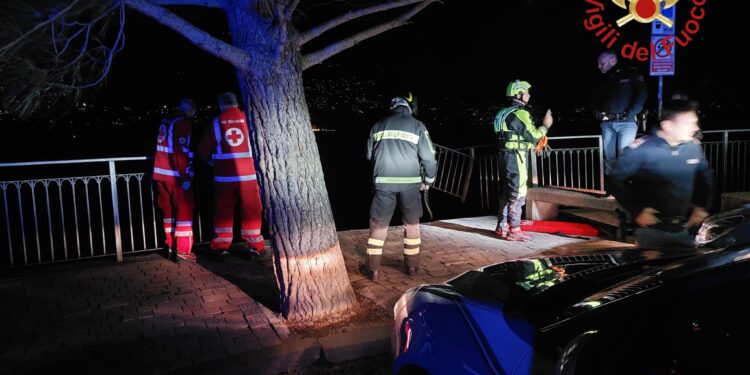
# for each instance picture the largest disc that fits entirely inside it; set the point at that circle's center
(234, 137)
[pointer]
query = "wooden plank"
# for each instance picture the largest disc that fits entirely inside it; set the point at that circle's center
(599, 216)
(571, 198)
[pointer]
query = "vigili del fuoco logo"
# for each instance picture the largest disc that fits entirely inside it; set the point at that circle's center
(610, 25)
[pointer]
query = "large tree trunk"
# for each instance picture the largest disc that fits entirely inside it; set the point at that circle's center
(309, 266)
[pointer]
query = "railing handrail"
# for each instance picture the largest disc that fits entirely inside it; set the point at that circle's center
(725, 131)
(76, 161)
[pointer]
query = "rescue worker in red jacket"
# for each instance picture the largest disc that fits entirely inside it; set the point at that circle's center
(226, 144)
(173, 177)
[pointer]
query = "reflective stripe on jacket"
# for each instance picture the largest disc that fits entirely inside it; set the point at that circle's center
(227, 144)
(173, 158)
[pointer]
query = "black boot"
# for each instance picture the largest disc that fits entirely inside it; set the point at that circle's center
(412, 264)
(373, 265)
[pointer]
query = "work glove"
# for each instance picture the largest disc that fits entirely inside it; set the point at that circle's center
(423, 187)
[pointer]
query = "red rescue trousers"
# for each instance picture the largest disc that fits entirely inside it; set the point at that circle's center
(176, 205)
(227, 195)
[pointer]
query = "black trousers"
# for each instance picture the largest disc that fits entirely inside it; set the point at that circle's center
(384, 203)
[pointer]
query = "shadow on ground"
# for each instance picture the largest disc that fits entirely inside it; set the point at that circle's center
(253, 274)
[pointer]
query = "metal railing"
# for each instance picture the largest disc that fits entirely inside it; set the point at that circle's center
(574, 168)
(454, 171)
(75, 217)
(727, 153)
(579, 168)
(577, 163)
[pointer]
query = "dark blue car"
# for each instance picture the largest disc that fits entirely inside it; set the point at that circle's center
(628, 311)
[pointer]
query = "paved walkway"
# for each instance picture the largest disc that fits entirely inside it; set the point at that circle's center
(449, 248)
(149, 315)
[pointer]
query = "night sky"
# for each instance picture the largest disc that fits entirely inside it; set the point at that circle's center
(467, 49)
(454, 55)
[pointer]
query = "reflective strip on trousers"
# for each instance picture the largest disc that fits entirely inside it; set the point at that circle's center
(374, 251)
(375, 242)
(412, 241)
(414, 251)
(250, 231)
(254, 239)
(223, 229)
(181, 233)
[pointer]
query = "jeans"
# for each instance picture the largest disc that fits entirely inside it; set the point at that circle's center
(616, 135)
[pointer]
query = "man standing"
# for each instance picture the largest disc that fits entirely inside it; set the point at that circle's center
(664, 180)
(227, 145)
(173, 176)
(617, 101)
(516, 134)
(399, 144)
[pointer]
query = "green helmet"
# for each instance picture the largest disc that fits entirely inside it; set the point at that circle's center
(517, 87)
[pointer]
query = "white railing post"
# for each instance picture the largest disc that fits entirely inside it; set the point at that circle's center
(601, 164)
(725, 164)
(115, 210)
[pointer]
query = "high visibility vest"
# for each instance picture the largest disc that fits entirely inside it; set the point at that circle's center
(510, 139)
(232, 156)
(173, 158)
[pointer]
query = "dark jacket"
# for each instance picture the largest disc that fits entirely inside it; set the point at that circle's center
(651, 173)
(621, 91)
(399, 144)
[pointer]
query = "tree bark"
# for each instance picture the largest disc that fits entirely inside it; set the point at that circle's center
(309, 266)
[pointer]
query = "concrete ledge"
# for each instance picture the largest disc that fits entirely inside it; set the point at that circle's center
(352, 345)
(734, 200)
(542, 202)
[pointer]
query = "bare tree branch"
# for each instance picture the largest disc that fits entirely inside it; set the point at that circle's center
(321, 55)
(37, 27)
(42, 73)
(201, 3)
(352, 15)
(289, 12)
(219, 48)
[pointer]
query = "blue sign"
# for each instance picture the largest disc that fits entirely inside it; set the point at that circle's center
(659, 28)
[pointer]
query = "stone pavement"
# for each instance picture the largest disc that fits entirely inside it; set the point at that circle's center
(149, 315)
(146, 315)
(449, 248)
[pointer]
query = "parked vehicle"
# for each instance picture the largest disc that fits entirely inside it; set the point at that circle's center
(621, 311)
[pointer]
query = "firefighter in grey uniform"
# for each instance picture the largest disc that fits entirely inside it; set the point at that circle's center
(399, 145)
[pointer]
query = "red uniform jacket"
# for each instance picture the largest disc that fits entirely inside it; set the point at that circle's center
(173, 159)
(227, 144)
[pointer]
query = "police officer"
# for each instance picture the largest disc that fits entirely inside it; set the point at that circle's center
(616, 102)
(399, 145)
(516, 134)
(664, 179)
